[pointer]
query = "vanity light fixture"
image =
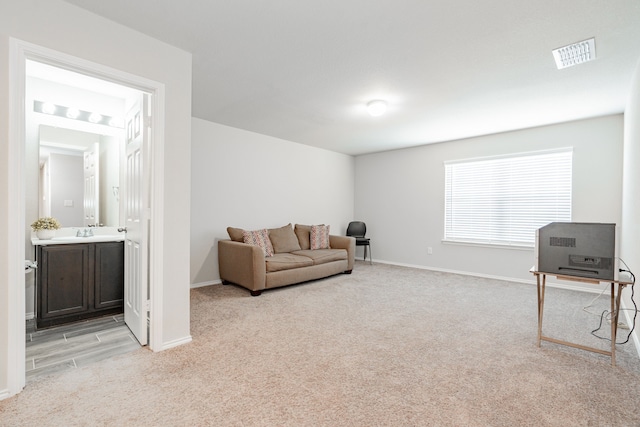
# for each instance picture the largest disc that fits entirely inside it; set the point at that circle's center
(377, 107)
(76, 114)
(73, 113)
(48, 108)
(574, 54)
(95, 117)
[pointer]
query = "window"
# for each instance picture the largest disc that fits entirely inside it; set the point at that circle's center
(504, 200)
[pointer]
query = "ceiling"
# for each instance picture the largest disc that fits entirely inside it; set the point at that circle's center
(303, 71)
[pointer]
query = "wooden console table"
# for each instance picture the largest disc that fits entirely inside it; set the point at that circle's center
(541, 279)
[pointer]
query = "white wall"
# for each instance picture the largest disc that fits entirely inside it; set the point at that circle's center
(630, 241)
(247, 180)
(60, 26)
(400, 194)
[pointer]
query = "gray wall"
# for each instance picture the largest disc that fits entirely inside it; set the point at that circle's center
(247, 180)
(400, 194)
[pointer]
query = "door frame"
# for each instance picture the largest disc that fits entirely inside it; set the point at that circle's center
(19, 52)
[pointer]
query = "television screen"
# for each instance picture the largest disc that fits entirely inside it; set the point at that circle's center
(577, 249)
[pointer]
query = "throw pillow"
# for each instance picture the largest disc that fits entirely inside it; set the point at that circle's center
(283, 239)
(302, 231)
(235, 234)
(319, 237)
(259, 238)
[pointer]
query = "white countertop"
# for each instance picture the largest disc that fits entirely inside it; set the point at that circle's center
(67, 236)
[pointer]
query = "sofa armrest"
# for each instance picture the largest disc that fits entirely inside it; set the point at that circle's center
(345, 242)
(242, 264)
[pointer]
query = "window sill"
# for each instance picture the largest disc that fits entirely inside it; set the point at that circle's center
(518, 247)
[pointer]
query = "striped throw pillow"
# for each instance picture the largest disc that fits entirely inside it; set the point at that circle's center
(259, 238)
(319, 237)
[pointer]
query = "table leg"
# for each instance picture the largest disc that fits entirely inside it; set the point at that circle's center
(615, 300)
(541, 288)
(615, 320)
(614, 325)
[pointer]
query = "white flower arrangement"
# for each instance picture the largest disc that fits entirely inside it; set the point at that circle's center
(46, 223)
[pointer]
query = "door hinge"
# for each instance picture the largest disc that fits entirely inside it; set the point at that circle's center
(147, 305)
(147, 122)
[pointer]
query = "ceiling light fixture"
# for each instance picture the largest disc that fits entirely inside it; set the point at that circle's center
(574, 54)
(377, 107)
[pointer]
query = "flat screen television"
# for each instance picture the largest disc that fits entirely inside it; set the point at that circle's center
(577, 249)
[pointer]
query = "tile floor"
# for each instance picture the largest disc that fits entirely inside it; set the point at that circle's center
(70, 346)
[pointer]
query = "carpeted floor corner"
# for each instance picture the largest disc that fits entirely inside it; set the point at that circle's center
(384, 346)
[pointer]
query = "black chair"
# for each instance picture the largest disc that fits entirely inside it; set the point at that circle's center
(358, 229)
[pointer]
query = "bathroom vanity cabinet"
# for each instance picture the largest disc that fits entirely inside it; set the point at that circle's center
(79, 281)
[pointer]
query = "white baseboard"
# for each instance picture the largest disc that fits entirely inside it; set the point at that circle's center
(203, 284)
(464, 273)
(30, 316)
(634, 335)
(176, 343)
(550, 283)
(4, 394)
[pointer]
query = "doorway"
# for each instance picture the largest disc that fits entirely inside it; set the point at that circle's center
(71, 118)
(19, 236)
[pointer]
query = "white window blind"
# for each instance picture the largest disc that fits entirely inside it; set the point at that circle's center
(503, 200)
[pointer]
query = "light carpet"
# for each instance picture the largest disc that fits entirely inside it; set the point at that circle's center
(384, 346)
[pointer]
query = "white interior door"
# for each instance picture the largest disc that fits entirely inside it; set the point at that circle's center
(91, 186)
(136, 214)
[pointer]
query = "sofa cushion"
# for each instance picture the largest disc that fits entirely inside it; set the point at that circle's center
(235, 234)
(284, 239)
(260, 238)
(319, 237)
(323, 256)
(303, 232)
(286, 261)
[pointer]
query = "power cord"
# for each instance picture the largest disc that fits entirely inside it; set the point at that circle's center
(635, 307)
(594, 300)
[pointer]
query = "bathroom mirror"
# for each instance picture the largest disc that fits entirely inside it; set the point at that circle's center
(79, 181)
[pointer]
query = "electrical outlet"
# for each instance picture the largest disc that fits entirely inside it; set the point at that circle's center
(430, 250)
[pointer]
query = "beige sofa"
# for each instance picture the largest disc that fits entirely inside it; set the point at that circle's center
(293, 260)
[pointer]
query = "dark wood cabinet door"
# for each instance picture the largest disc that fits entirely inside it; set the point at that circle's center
(66, 280)
(109, 275)
(79, 281)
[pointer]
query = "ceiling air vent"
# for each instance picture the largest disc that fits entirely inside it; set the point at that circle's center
(575, 54)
